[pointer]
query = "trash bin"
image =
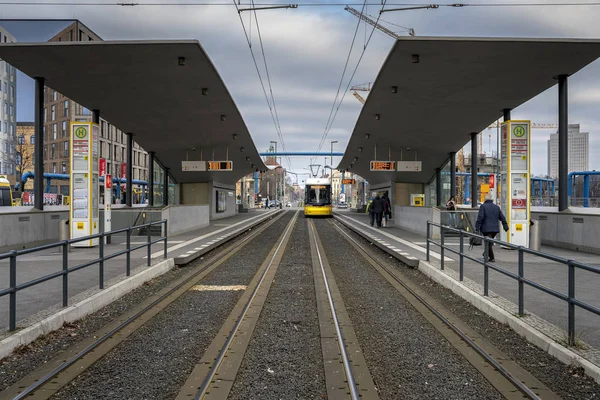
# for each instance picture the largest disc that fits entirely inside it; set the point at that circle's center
(63, 231)
(535, 235)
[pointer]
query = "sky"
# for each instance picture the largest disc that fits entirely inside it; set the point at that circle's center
(306, 49)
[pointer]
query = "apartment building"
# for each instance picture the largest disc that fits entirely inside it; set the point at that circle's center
(60, 111)
(579, 151)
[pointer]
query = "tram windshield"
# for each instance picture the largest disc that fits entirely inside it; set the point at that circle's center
(318, 194)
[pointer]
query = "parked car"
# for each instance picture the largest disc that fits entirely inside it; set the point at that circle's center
(288, 204)
(342, 205)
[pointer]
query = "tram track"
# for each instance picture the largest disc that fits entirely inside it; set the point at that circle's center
(507, 377)
(214, 375)
(47, 380)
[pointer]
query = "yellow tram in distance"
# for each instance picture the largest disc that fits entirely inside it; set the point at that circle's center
(317, 201)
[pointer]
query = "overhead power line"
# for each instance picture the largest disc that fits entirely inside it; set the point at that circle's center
(324, 4)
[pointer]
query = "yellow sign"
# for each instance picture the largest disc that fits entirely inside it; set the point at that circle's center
(94, 225)
(80, 226)
(383, 165)
(348, 181)
(81, 132)
(519, 227)
(519, 131)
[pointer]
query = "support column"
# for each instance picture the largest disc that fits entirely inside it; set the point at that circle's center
(474, 156)
(563, 142)
(166, 187)
(453, 175)
(150, 178)
(38, 178)
(96, 116)
(506, 113)
(129, 177)
(438, 186)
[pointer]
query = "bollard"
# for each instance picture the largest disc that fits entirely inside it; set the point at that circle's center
(63, 232)
(535, 235)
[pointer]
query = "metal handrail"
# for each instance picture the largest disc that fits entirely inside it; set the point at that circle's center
(13, 288)
(570, 298)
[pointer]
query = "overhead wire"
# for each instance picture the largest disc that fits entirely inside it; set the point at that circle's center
(323, 4)
(327, 125)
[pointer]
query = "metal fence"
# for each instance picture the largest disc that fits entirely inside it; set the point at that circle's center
(570, 298)
(13, 288)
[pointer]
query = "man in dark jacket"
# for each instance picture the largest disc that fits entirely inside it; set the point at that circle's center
(487, 223)
(378, 209)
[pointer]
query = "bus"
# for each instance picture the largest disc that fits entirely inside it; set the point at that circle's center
(317, 201)
(5, 192)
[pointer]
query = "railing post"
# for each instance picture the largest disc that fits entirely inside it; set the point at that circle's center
(12, 325)
(442, 246)
(65, 278)
(462, 258)
(166, 235)
(149, 244)
(486, 271)
(128, 262)
(571, 314)
(101, 271)
(521, 292)
(428, 238)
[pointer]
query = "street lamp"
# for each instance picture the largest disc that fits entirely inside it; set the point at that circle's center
(276, 188)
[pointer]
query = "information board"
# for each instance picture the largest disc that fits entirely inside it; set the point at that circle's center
(219, 165)
(348, 181)
(84, 182)
(383, 165)
(515, 181)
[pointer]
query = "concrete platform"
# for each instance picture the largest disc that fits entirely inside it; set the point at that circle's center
(548, 273)
(183, 248)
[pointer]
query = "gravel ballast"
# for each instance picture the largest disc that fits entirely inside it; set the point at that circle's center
(284, 358)
(566, 381)
(406, 356)
(155, 360)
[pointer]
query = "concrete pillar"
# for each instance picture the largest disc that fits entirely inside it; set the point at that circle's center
(150, 178)
(129, 177)
(438, 186)
(38, 178)
(563, 142)
(96, 116)
(453, 174)
(506, 114)
(474, 156)
(166, 187)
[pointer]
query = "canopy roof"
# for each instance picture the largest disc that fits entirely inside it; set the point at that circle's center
(458, 86)
(140, 87)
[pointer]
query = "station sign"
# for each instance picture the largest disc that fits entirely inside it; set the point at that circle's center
(348, 181)
(195, 166)
(383, 165)
(220, 165)
(410, 166)
(102, 167)
(515, 181)
(84, 188)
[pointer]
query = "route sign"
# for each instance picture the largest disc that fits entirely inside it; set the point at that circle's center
(348, 181)
(383, 165)
(220, 165)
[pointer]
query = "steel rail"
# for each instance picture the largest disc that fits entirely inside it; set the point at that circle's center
(347, 367)
(491, 360)
(45, 379)
(217, 363)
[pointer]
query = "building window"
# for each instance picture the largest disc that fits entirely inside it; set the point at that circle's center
(12, 93)
(12, 110)
(52, 153)
(66, 108)
(54, 96)
(45, 115)
(64, 167)
(21, 139)
(18, 158)
(54, 167)
(45, 152)
(66, 149)
(32, 139)
(64, 129)
(54, 135)
(53, 112)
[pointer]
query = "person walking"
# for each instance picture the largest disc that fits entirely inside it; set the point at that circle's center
(387, 209)
(370, 211)
(451, 207)
(487, 223)
(378, 209)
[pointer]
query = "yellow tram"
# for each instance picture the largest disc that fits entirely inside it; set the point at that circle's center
(317, 201)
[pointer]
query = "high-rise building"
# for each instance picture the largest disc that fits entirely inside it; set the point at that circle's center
(60, 111)
(579, 145)
(8, 112)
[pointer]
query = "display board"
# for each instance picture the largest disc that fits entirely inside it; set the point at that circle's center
(383, 165)
(84, 182)
(515, 180)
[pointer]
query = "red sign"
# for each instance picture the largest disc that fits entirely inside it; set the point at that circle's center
(492, 181)
(519, 203)
(102, 166)
(123, 170)
(108, 181)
